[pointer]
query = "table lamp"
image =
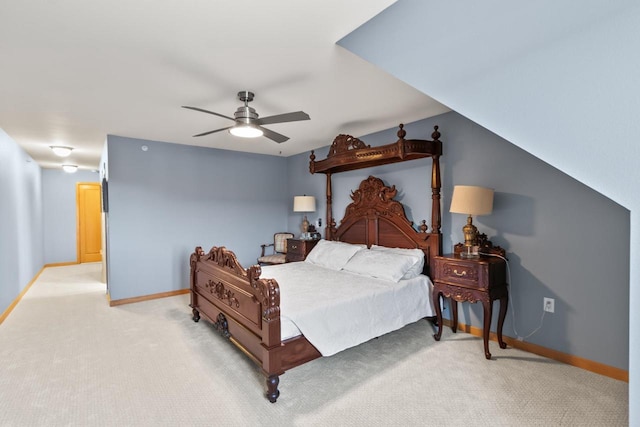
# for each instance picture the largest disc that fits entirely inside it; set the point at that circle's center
(304, 204)
(471, 200)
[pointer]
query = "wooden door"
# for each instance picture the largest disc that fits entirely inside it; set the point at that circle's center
(89, 222)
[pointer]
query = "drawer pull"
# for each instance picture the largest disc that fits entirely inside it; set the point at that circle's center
(294, 247)
(464, 273)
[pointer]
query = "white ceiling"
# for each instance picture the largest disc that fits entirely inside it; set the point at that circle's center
(74, 71)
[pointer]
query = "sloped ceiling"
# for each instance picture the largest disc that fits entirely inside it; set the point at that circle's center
(558, 79)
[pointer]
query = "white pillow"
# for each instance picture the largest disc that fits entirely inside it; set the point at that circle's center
(416, 269)
(380, 264)
(331, 254)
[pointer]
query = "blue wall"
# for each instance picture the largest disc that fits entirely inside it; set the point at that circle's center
(60, 216)
(21, 242)
(558, 79)
(167, 200)
(563, 240)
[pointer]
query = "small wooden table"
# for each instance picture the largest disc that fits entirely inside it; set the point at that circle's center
(471, 279)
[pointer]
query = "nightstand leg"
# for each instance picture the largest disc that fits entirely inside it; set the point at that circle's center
(486, 326)
(436, 303)
(504, 303)
(454, 314)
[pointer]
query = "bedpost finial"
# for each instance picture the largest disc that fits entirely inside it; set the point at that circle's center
(423, 226)
(402, 133)
(435, 135)
(312, 163)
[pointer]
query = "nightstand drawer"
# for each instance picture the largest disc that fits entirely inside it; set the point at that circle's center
(295, 247)
(457, 271)
(479, 273)
(298, 249)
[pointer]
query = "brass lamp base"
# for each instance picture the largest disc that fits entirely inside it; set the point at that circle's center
(470, 233)
(305, 228)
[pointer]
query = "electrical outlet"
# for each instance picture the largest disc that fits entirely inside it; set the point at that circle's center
(549, 304)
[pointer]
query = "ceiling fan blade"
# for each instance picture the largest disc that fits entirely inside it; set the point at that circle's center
(212, 131)
(282, 118)
(208, 112)
(274, 136)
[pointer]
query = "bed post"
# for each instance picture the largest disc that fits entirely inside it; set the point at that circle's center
(331, 225)
(436, 217)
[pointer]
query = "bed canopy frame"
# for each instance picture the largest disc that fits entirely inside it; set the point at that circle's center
(348, 153)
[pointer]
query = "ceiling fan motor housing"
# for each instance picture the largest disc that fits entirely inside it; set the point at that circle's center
(245, 114)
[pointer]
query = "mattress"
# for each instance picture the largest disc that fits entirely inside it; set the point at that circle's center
(336, 310)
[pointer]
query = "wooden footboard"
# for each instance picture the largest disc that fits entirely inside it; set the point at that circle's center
(246, 310)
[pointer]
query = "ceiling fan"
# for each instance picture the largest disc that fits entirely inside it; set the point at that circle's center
(248, 125)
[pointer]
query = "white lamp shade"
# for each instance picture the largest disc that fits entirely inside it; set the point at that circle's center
(245, 131)
(471, 200)
(304, 204)
(70, 168)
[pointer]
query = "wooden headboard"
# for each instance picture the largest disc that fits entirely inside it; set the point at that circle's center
(375, 218)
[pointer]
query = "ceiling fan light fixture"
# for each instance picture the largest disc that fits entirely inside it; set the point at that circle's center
(70, 168)
(245, 131)
(248, 125)
(60, 150)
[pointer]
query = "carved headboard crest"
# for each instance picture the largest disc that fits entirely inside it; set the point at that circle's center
(344, 143)
(372, 194)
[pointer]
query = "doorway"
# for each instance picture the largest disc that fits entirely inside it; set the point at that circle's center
(89, 222)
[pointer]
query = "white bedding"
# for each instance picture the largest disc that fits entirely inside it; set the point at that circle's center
(336, 310)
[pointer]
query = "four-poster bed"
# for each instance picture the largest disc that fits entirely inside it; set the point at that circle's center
(246, 308)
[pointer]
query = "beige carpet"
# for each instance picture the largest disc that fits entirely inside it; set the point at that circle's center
(67, 359)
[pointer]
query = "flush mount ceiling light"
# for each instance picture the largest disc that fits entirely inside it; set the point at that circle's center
(70, 168)
(60, 150)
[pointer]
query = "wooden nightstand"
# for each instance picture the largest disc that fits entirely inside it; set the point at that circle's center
(298, 249)
(467, 279)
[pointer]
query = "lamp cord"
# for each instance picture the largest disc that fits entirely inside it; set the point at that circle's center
(513, 316)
